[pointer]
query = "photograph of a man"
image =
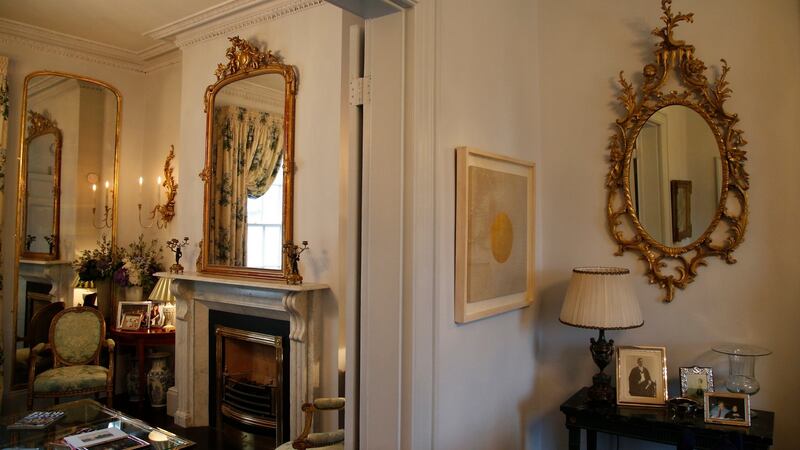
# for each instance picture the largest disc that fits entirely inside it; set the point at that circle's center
(640, 384)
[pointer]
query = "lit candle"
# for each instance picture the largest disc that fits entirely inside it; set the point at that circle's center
(158, 190)
(94, 194)
(108, 192)
(141, 183)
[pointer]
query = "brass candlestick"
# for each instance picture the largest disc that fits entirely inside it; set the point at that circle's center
(292, 253)
(175, 246)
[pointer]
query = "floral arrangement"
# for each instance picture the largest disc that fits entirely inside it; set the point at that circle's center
(138, 264)
(97, 264)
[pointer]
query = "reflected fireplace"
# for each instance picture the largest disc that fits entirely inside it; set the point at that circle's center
(249, 377)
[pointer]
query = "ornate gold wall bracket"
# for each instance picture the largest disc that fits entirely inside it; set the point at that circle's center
(676, 267)
(163, 213)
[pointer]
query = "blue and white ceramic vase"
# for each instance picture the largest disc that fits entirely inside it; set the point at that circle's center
(159, 379)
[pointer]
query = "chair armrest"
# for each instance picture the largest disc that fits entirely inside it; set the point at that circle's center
(324, 404)
(325, 439)
(39, 348)
(110, 344)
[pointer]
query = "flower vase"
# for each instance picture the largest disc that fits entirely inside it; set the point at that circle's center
(134, 293)
(159, 379)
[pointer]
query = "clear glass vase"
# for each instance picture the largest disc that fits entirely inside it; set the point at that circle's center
(742, 359)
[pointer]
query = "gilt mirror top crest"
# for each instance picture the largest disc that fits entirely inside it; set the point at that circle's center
(677, 186)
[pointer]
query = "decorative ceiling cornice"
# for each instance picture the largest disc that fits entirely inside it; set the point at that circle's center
(53, 42)
(221, 20)
(228, 24)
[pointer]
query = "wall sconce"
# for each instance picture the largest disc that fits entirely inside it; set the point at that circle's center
(107, 219)
(162, 214)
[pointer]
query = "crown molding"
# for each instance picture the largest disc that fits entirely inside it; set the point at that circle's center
(62, 44)
(224, 24)
(200, 18)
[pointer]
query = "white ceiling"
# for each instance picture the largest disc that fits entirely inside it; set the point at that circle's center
(117, 22)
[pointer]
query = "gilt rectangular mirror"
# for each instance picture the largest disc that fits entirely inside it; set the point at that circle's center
(68, 170)
(249, 167)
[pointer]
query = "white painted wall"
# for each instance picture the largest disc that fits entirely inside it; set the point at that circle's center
(487, 96)
(583, 46)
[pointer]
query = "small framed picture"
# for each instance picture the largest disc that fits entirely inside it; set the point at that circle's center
(727, 408)
(642, 376)
(695, 382)
(131, 322)
(141, 309)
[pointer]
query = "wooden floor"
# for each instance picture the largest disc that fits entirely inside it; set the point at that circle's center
(228, 438)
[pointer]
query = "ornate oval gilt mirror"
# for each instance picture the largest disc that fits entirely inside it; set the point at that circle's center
(42, 199)
(677, 188)
(68, 170)
(249, 169)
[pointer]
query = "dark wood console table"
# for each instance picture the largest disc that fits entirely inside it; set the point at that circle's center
(659, 425)
(154, 337)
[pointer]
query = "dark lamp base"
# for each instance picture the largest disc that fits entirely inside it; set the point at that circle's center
(602, 352)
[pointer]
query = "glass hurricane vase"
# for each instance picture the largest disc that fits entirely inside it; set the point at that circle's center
(742, 359)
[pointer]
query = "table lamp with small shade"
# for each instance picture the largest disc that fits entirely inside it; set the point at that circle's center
(601, 298)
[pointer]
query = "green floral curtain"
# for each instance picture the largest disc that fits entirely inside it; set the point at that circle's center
(247, 153)
(3, 147)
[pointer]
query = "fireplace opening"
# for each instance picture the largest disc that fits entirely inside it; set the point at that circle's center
(249, 381)
(249, 378)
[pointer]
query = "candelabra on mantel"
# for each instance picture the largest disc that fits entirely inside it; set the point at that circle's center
(162, 214)
(108, 210)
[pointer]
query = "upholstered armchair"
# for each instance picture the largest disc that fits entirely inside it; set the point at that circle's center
(77, 335)
(333, 440)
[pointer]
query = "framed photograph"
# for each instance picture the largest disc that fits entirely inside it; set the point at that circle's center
(727, 408)
(642, 376)
(494, 255)
(695, 382)
(681, 194)
(141, 309)
(131, 322)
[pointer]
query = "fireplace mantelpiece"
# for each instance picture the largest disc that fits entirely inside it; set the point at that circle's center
(197, 293)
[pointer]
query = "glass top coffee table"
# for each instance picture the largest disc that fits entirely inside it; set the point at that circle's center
(81, 416)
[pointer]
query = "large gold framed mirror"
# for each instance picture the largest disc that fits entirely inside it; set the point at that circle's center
(66, 198)
(677, 188)
(249, 168)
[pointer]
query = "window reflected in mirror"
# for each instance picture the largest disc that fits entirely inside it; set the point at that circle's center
(247, 151)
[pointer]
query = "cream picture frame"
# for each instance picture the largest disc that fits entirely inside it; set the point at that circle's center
(495, 234)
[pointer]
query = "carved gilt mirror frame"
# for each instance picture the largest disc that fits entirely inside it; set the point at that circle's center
(40, 125)
(672, 267)
(244, 60)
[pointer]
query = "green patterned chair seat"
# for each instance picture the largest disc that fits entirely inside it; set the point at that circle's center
(71, 378)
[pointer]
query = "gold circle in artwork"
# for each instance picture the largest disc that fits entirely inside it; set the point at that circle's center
(502, 237)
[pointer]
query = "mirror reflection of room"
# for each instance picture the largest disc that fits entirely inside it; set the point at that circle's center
(676, 176)
(69, 151)
(247, 150)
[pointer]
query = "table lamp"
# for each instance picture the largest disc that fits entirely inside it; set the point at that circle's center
(601, 298)
(161, 293)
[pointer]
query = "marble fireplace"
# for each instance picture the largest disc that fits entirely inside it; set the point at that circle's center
(200, 295)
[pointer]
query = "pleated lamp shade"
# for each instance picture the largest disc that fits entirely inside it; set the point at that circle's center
(601, 297)
(161, 291)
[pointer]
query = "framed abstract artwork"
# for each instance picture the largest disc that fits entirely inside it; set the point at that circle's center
(494, 257)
